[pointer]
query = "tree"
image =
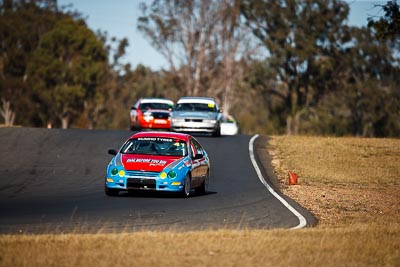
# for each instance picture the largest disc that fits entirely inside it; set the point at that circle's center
(181, 31)
(232, 44)
(298, 35)
(22, 23)
(388, 26)
(66, 69)
(371, 86)
(201, 40)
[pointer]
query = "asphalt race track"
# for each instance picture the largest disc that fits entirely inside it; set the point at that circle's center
(52, 180)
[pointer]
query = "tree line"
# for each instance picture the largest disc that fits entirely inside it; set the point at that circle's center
(292, 67)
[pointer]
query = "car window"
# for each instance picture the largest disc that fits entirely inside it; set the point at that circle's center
(196, 147)
(161, 106)
(155, 146)
(210, 107)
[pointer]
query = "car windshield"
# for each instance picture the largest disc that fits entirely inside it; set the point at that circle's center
(163, 146)
(205, 107)
(161, 106)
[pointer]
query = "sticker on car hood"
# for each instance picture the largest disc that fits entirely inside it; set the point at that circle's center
(146, 163)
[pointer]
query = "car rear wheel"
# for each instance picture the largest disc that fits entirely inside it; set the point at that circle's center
(186, 186)
(202, 190)
(111, 192)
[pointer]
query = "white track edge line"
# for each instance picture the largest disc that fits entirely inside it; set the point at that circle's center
(302, 220)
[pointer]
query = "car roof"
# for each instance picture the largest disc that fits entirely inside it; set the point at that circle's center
(156, 100)
(174, 135)
(197, 99)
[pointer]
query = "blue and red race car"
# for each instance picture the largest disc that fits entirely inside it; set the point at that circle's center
(159, 161)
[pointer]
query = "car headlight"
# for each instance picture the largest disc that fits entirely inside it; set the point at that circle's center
(148, 116)
(172, 174)
(114, 171)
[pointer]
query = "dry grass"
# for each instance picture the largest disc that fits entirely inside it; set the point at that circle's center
(342, 180)
(350, 184)
(359, 245)
(358, 161)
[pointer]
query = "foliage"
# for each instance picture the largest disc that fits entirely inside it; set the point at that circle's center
(388, 26)
(65, 70)
(299, 35)
(22, 23)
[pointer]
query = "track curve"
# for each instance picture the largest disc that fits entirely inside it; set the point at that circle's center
(51, 180)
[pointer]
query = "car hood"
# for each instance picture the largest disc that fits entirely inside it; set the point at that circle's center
(146, 162)
(195, 114)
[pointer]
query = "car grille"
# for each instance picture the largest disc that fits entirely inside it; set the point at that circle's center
(193, 120)
(141, 183)
(142, 174)
(160, 115)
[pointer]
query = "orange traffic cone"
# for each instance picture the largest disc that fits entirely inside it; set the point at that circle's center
(293, 178)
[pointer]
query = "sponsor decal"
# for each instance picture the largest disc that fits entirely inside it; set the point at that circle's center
(152, 162)
(161, 139)
(175, 163)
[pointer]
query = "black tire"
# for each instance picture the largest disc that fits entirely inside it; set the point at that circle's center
(217, 133)
(202, 190)
(186, 186)
(111, 192)
(137, 126)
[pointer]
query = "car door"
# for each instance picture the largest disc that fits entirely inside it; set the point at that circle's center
(199, 163)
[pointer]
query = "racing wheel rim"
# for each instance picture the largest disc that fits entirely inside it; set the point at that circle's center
(186, 188)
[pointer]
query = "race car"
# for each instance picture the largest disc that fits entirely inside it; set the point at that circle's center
(197, 115)
(158, 161)
(151, 113)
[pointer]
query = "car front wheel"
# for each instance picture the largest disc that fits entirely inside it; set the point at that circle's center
(111, 192)
(217, 132)
(186, 186)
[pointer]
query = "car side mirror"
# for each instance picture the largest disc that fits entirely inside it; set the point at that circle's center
(112, 152)
(198, 156)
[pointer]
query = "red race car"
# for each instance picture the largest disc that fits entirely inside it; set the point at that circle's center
(154, 113)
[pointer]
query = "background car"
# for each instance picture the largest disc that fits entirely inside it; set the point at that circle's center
(151, 113)
(158, 161)
(229, 125)
(197, 115)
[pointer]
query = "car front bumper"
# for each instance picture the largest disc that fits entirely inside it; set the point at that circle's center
(157, 184)
(191, 126)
